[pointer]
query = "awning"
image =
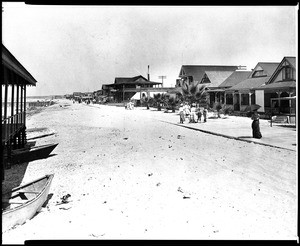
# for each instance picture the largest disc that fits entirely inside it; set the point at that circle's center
(136, 96)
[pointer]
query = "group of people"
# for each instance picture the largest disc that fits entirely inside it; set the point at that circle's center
(129, 105)
(193, 112)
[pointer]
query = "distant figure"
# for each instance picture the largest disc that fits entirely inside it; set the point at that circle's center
(193, 113)
(255, 125)
(181, 114)
(199, 113)
(186, 109)
(205, 111)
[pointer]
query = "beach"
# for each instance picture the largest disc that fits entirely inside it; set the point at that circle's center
(136, 174)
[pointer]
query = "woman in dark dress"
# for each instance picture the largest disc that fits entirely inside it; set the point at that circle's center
(255, 125)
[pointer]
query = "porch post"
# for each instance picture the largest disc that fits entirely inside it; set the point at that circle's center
(250, 102)
(123, 93)
(21, 106)
(240, 97)
(279, 101)
(13, 123)
(225, 98)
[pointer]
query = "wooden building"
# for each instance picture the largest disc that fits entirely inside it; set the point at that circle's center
(239, 96)
(282, 84)
(125, 88)
(209, 75)
(191, 73)
(13, 111)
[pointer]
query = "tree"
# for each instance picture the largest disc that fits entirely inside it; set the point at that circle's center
(194, 92)
(170, 101)
(158, 98)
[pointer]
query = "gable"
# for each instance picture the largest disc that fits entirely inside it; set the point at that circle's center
(215, 78)
(140, 79)
(196, 72)
(284, 72)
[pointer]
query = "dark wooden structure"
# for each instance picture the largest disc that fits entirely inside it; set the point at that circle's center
(13, 123)
(125, 88)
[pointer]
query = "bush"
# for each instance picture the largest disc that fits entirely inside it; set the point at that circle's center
(227, 110)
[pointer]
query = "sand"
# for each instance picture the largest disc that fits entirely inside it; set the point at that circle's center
(131, 175)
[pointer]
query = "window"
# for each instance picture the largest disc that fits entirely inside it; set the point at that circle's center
(287, 73)
(258, 73)
(229, 99)
(244, 99)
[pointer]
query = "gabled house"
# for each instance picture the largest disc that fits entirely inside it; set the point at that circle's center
(239, 96)
(212, 81)
(190, 73)
(282, 84)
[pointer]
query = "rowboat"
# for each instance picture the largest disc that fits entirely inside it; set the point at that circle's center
(23, 202)
(32, 153)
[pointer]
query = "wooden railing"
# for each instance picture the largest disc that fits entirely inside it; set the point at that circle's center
(12, 124)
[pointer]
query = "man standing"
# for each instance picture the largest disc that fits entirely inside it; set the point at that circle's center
(205, 111)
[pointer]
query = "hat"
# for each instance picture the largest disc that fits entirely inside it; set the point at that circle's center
(181, 104)
(193, 104)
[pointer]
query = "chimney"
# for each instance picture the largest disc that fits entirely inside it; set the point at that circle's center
(148, 74)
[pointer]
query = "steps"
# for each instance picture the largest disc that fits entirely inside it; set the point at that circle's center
(280, 119)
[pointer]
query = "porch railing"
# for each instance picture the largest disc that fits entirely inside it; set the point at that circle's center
(12, 124)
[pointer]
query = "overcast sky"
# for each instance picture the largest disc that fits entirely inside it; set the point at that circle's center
(79, 48)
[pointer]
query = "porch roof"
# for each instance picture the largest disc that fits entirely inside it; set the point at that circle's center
(278, 86)
(12, 64)
(249, 84)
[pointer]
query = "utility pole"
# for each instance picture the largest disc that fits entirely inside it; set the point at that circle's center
(162, 79)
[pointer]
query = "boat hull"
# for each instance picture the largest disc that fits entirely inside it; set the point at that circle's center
(33, 153)
(20, 214)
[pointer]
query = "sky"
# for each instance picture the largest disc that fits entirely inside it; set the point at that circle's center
(78, 48)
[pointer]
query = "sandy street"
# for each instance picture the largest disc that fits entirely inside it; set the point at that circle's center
(131, 175)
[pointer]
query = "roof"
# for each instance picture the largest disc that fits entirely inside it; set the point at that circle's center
(134, 80)
(197, 71)
(290, 60)
(249, 84)
(235, 78)
(278, 85)
(217, 77)
(268, 67)
(11, 63)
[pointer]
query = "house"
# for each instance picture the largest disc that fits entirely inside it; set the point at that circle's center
(13, 105)
(209, 75)
(190, 73)
(235, 78)
(280, 89)
(212, 81)
(77, 96)
(239, 96)
(124, 88)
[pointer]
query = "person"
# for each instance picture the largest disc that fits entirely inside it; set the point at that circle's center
(181, 114)
(187, 110)
(205, 111)
(193, 114)
(255, 125)
(199, 113)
